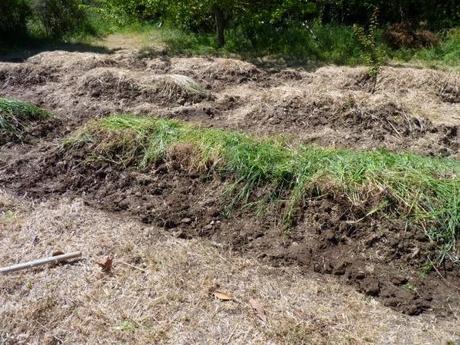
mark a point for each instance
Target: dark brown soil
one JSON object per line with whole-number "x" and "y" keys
{"x": 31, "y": 132}
{"x": 357, "y": 125}
{"x": 26, "y": 76}
{"x": 450, "y": 92}
{"x": 381, "y": 258}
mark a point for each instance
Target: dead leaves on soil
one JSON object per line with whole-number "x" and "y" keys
{"x": 255, "y": 304}
{"x": 219, "y": 294}
{"x": 223, "y": 296}
{"x": 258, "y": 309}
{"x": 106, "y": 265}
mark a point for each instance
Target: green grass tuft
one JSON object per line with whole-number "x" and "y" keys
{"x": 423, "y": 191}
{"x": 446, "y": 54}
{"x": 15, "y": 116}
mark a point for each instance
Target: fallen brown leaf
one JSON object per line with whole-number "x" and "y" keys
{"x": 258, "y": 309}
{"x": 222, "y": 295}
{"x": 106, "y": 265}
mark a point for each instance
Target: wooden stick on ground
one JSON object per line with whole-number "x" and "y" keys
{"x": 39, "y": 262}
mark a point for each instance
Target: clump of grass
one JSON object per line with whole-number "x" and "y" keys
{"x": 173, "y": 85}
{"x": 16, "y": 116}
{"x": 422, "y": 190}
{"x": 187, "y": 83}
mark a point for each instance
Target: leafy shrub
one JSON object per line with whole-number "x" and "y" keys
{"x": 372, "y": 54}
{"x": 127, "y": 12}
{"x": 14, "y": 14}
{"x": 59, "y": 17}
{"x": 406, "y": 35}
{"x": 447, "y": 52}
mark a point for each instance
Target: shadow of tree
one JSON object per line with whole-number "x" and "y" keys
{"x": 22, "y": 51}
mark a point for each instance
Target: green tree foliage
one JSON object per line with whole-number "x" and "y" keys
{"x": 124, "y": 11}
{"x": 437, "y": 13}
{"x": 59, "y": 17}
{"x": 260, "y": 20}
{"x": 257, "y": 25}
{"x": 373, "y": 56}
{"x": 13, "y": 16}
{"x": 251, "y": 17}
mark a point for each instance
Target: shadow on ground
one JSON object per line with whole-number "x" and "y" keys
{"x": 21, "y": 52}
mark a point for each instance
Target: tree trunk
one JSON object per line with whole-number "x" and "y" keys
{"x": 220, "y": 26}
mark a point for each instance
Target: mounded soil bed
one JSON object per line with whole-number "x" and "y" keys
{"x": 411, "y": 110}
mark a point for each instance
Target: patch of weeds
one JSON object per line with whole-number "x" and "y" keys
{"x": 445, "y": 54}
{"x": 315, "y": 331}
{"x": 9, "y": 215}
{"x": 9, "y": 218}
{"x": 453, "y": 342}
{"x": 16, "y": 116}
{"x": 410, "y": 287}
{"x": 315, "y": 44}
{"x": 43, "y": 310}
{"x": 127, "y": 326}
{"x": 427, "y": 268}
{"x": 300, "y": 334}
{"x": 373, "y": 54}
{"x": 424, "y": 191}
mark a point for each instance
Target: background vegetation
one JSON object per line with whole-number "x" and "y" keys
{"x": 304, "y": 30}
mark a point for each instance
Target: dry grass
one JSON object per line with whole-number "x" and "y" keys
{"x": 172, "y": 86}
{"x": 133, "y": 87}
{"x": 422, "y": 92}
{"x": 159, "y": 292}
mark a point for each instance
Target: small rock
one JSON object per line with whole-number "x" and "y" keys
{"x": 331, "y": 236}
{"x": 186, "y": 220}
